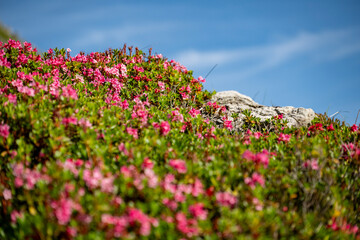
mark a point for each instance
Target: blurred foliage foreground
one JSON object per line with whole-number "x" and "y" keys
{"x": 115, "y": 145}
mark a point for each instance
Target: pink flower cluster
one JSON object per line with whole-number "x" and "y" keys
{"x": 139, "y": 69}
{"x": 164, "y": 127}
{"x": 330, "y": 128}
{"x": 74, "y": 121}
{"x": 226, "y": 199}
{"x": 279, "y": 117}
{"x": 201, "y": 79}
{"x": 344, "y": 227}
{"x": 94, "y": 179}
{"x": 69, "y": 92}
{"x": 176, "y": 116}
{"x": 4, "y": 130}
{"x": 255, "y": 178}
{"x": 71, "y": 165}
{"x": 284, "y": 138}
{"x": 198, "y": 211}
{"x": 29, "y": 176}
{"x": 138, "y": 178}
{"x": 261, "y": 158}
{"x": 7, "y": 194}
{"x": 140, "y": 112}
{"x": 312, "y": 164}
{"x": 215, "y": 106}
{"x": 316, "y": 127}
{"x": 227, "y": 123}
{"x": 63, "y": 209}
{"x": 179, "y": 190}
{"x": 353, "y": 128}
{"x": 179, "y": 165}
{"x": 133, "y": 132}
{"x": 132, "y": 218}
{"x": 147, "y": 163}
{"x": 189, "y": 227}
{"x": 350, "y": 150}
{"x": 16, "y": 215}
{"x": 194, "y": 112}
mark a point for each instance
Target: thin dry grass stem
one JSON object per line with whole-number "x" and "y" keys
{"x": 357, "y": 116}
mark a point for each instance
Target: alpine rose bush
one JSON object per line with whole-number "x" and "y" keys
{"x": 122, "y": 145}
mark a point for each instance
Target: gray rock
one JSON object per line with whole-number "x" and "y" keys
{"x": 236, "y": 103}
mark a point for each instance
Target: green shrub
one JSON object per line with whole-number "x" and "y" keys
{"x": 116, "y": 145}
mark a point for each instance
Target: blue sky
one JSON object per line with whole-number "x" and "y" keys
{"x": 283, "y": 53}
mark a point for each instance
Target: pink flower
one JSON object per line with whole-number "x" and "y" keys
{"x": 125, "y": 171}
{"x": 69, "y": 92}
{"x": 258, "y": 204}
{"x": 123, "y": 70}
{"x": 257, "y": 135}
{"x": 71, "y": 231}
{"x": 123, "y": 149}
{"x": 15, "y": 215}
{"x": 84, "y": 123}
{"x": 280, "y": 116}
{"x": 248, "y": 155}
{"x": 179, "y": 196}
{"x": 4, "y": 130}
{"x": 112, "y": 71}
{"x": 330, "y": 128}
{"x": 313, "y": 164}
{"x": 199, "y": 135}
{"x": 70, "y": 165}
{"x": 28, "y": 91}
{"x": 284, "y": 137}
{"x": 121, "y": 224}
{"x": 259, "y": 158}
{"x": 69, "y": 120}
{"x": 7, "y": 194}
{"x": 62, "y": 210}
{"x": 259, "y": 179}
{"x": 151, "y": 177}
{"x": 162, "y": 86}
{"x": 179, "y": 165}
{"x": 139, "y": 69}
{"x": 354, "y": 128}
{"x": 137, "y": 216}
{"x": 164, "y": 128}
{"x": 228, "y": 124}
{"x": 201, "y": 79}
{"x": 255, "y": 178}
{"x": 197, "y": 188}
{"x": 168, "y": 184}
{"x": 68, "y": 50}
{"x": 226, "y": 199}
{"x": 177, "y": 116}
{"x": 316, "y": 127}
{"x": 147, "y": 163}
{"x": 19, "y": 182}
{"x": 189, "y": 227}
{"x": 184, "y": 96}
{"x": 171, "y": 204}
{"x": 194, "y": 112}
{"x": 198, "y": 211}
{"x": 107, "y": 184}
{"x": 132, "y": 131}
{"x": 12, "y": 98}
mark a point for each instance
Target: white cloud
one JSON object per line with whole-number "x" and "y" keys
{"x": 322, "y": 46}
{"x": 97, "y": 37}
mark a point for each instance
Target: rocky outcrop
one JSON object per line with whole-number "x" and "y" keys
{"x": 237, "y": 103}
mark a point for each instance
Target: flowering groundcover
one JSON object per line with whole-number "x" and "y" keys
{"x": 117, "y": 145}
